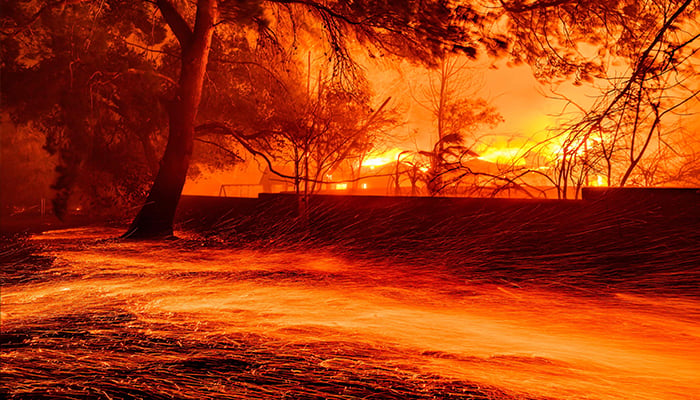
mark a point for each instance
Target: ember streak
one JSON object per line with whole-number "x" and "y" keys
{"x": 113, "y": 319}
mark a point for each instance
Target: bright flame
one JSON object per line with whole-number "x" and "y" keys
{"x": 600, "y": 181}
{"x": 379, "y": 159}
{"x": 505, "y": 155}
{"x": 341, "y": 186}
{"x": 577, "y": 147}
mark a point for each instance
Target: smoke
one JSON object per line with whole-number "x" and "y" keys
{"x": 67, "y": 173}
{"x": 26, "y": 169}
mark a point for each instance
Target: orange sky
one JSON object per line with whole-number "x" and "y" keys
{"x": 512, "y": 90}
{"x": 523, "y": 102}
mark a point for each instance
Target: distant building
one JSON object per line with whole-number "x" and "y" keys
{"x": 477, "y": 178}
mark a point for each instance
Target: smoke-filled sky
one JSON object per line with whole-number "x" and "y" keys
{"x": 518, "y": 97}
{"x": 512, "y": 90}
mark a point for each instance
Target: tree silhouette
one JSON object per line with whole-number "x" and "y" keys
{"x": 458, "y": 114}
{"x": 642, "y": 55}
{"x": 94, "y": 98}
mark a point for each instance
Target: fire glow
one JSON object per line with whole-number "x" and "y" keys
{"x": 534, "y": 343}
{"x": 341, "y": 199}
{"x": 506, "y": 155}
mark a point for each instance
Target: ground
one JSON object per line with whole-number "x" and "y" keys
{"x": 85, "y": 315}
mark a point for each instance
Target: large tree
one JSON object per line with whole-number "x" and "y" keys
{"x": 420, "y": 30}
{"x": 156, "y": 216}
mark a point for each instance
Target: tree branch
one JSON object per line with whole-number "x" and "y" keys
{"x": 221, "y": 128}
{"x": 538, "y": 5}
{"x": 320, "y": 8}
{"x": 233, "y": 154}
{"x": 33, "y": 19}
{"x": 176, "y": 22}
{"x": 207, "y": 13}
{"x": 151, "y": 50}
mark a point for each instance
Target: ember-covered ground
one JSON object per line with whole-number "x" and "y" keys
{"x": 85, "y": 315}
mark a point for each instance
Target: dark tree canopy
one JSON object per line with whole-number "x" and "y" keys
{"x": 95, "y": 98}
{"x": 113, "y": 85}
{"x": 108, "y": 70}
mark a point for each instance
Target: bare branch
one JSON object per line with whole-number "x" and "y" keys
{"x": 228, "y": 151}
{"x": 537, "y": 5}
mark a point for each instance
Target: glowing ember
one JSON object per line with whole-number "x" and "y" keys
{"x": 184, "y": 318}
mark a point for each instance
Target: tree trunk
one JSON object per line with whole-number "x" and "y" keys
{"x": 155, "y": 220}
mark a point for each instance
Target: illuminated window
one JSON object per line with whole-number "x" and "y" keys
{"x": 364, "y": 186}
{"x": 341, "y": 186}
